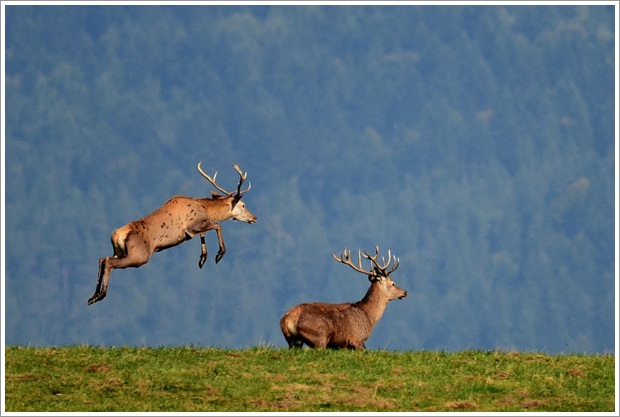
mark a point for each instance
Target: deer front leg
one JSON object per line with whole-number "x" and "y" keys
{"x": 220, "y": 240}
{"x": 203, "y": 251}
{"x": 203, "y": 228}
{"x": 356, "y": 345}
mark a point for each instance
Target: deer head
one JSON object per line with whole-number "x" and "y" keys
{"x": 239, "y": 210}
{"x": 378, "y": 272}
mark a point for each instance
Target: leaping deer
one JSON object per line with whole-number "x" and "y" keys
{"x": 178, "y": 220}
{"x": 346, "y": 325}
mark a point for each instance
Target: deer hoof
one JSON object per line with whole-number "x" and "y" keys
{"x": 95, "y": 298}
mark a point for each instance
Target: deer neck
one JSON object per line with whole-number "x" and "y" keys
{"x": 219, "y": 209}
{"x": 373, "y": 303}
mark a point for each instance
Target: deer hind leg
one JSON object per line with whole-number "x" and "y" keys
{"x": 315, "y": 340}
{"x": 288, "y": 326}
{"x": 136, "y": 255}
{"x": 98, "y": 287}
{"x": 98, "y": 295}
{"x": 294, "y": 343}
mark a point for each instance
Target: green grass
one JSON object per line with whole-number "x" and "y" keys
{"x": 190, "y": 379}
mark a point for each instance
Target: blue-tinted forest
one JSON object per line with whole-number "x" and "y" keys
{"x": 476, "y": 143}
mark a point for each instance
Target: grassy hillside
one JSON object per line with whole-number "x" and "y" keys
{"x": 86, "y": 379}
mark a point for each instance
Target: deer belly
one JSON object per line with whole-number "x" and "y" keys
{"x": 170, "y": 236}
{"x": 339, "y": 339}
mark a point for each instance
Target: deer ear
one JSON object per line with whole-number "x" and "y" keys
{"x": 377, "y": 276}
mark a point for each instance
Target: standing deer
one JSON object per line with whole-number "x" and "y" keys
{"x": 178, "y": 220}
{"x": 346, "y": 325}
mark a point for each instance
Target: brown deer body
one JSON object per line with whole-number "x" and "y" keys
{"x": 345, "y": 325}
{"x": 177, "y": 220}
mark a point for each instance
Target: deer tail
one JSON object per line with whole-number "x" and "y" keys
{"x": 289, "y": 321}
{"x": 119, "y": 239}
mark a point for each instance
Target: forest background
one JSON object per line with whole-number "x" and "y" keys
{"x": 477, "y": 143}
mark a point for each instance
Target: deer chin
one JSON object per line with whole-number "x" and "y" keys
{"x": 245, "y": 221}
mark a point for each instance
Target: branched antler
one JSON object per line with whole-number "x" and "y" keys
{"x": 345, "y": 258}
{"x": 382, "y": 268}
{"x": 242, "y": 178}
{"x": 377, "y": 270}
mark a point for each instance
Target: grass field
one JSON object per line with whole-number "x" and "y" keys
{"x": 192, "y": 379}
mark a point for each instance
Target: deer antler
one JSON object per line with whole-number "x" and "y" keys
{"x": 378, "y": 271}
{"x": 345, "y": 258}
{"x": 212, "y": 180}
{"x": 242, "y": 178}
{"x": 382, "y": 268}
